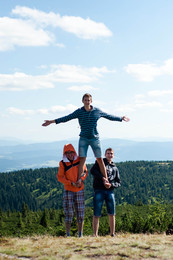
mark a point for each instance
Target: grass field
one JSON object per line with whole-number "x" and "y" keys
{"x": 123, "y": 246}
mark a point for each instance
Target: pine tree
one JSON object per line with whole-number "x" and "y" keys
{"x": 1, "y": 222}
{"x": 20, "y": 222}
{"x": 25, "y": 210}
{"x": 44, "y": 219}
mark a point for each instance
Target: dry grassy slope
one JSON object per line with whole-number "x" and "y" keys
{"x": 123, "y": 246}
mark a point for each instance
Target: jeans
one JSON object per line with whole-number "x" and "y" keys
{"x": 95, "y": 145}
{"x": 99, "y": 197}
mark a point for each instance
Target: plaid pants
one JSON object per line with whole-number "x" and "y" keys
{"x": 71, "y": 198}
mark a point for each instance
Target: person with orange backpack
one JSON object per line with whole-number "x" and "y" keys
{"x": 73, "y": 188}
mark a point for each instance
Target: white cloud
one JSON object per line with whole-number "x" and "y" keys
{"x": 17, "y": 111}
{"x": 143, "y": 72}
{"x": 170, "y": 103}
{"x": 68, "y": 108}
{"x": 82, "y": 28}
{"x": 72, "y": 73}
{"x": 148, "y": 72}
{"x": 15, "y": 32}
{"x": 21, "y": 81}
{"x": 59, "y": 73}
{"x": 138, "y": 104}
{"x": 167, "y": 110}
{"x": 139, "y": 98}
{"x": 44, "y": 111}
{"x": 51, "y": 163}
{"x": 125, "y": 109}
{"x": 167, "y": 68}
{"x": 148, "y": 104}
{"x": 158, "y": 93}
{"x": 83, "y": 88}
{"x": 32, "y": 28}
{"x": 60, "y": 45}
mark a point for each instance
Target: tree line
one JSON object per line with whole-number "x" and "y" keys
{"x": 151, "y": 218}
{"x": 142, "y": 183}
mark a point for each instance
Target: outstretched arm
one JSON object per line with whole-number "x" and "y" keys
{"x": 62, "y": 119}
{"x": 48, "y": 122}
{"x": 114, "y": 118}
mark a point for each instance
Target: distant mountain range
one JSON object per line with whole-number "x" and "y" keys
{"x": 15, "y": 156}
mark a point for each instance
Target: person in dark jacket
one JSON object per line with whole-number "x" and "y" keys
{"x": 104, "y": 190}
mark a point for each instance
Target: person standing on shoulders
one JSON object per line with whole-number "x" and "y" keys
{"x": 89, "y": 136}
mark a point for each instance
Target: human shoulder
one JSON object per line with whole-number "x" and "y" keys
{"x": 105, "y": 161}
{"x": 97, "y": 109}
{"x": 100, "y": 111}
{"x": 95, "y": 165}
{"x": 114, "y": 167}
{"x": 77, "y": 112}
{"x": 61, "y": 163}
{"x": 112, "y": 164}
{"x": 78, "y": 109}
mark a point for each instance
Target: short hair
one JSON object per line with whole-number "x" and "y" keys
{"x": 109, "y": 149}
{"x": 86, "y": 95}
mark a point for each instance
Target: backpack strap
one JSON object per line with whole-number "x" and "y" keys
{"x": 66, "y": 168}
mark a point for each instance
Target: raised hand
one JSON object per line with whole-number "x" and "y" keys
{"x": 125, "y": 118}
{"x": 47, "y": 122}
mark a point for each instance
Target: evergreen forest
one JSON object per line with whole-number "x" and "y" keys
{"x": 31, "y": 200}
{"x": 141, "y": 182}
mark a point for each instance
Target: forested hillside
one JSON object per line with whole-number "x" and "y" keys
{"x": 142, "y": 181}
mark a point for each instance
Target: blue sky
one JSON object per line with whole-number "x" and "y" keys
{"x": 52, "y": 52}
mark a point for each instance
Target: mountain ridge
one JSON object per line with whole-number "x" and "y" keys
{"x": 48, "y": 154}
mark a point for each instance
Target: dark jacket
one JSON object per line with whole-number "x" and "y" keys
{"x": 112, "y": 172}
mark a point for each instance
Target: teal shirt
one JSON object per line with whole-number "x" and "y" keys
{"x": 88, "y": 120}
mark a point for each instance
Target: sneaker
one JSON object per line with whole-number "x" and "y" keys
{"x": 80, "y": 234}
